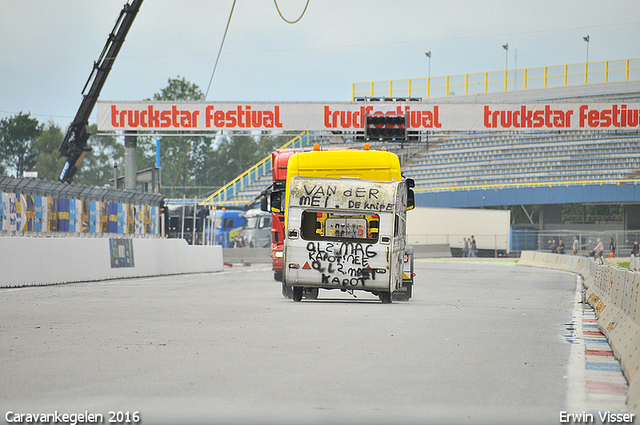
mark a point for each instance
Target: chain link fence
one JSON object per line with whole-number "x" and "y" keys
{"x": 523, "y": 239}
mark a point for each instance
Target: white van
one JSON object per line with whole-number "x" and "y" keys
{"x": 346, "y": 234}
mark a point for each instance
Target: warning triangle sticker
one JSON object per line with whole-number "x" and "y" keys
{"x": 306, "y": 265}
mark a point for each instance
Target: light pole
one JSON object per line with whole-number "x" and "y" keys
{"x": 428, "y": 55}
{"x": 587, "y": 38}
{"x": 506, "y": 63}
{"x": 586, "y": 64}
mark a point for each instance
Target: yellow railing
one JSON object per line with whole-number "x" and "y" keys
{"x": 261, "y": 168}
{"x": 484, "y": 82}
{"x": 531, "y": 184}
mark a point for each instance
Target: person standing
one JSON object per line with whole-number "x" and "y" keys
{"x": 575, "y": 245}
{"x": 612, "y": 249}
{"x": 636, "y": 248}
{"x": 465, "y": 248}
{"x": 598, "y": 250}
{"x": 560, "y": 249}
{"x": 473, "y": 248}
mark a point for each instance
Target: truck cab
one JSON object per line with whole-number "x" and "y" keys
{"x": 227, "y": 223}
{"x": 256, "y": 231}
{"x": 279, "y": 161}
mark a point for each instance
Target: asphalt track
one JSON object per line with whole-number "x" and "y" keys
{"x": 478, "y": 343}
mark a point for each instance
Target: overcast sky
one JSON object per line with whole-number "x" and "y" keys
{"x": 47, "y": 47}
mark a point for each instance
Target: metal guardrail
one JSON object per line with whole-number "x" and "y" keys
{"x": 31, "y": 206}
{"x": 223, "y": 195}
{"x": 30, "y": 186}
{"x": 492, "y": 81}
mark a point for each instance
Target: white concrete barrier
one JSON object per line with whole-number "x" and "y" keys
{"x": 634, "y": 263}
{"x": 26, "y": 261}
{"x": 527, "y": 258}
{"x": 614, "y": 293}
{"x": 247, "y": 255}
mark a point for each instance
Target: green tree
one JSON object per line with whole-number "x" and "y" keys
{"x": 183, "y": 158}
{"x": 195, "y": 160}
{"x": 17, "y": 139}
{"x": 179, "y": 89}
{"x": 233, "y": 156}
{"x": 96, "y": 169}
{"x": 268, "y": 142}
{"x": 49, "y": 164}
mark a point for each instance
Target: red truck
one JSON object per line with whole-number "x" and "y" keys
{"x": 279, "y": 161}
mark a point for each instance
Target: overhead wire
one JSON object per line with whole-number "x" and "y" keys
{"x": 287, "y": 21}
{"x": 215, "y": 66}
{"x": 220, "y": 51}
{"x": 437, "y": 39}
{"x": 327, "y": 47}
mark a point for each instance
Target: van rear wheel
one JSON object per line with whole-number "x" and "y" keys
{"x": 287, "y": 291}
{"x": 385, "y": 297}
{"x": 297, "y": 293}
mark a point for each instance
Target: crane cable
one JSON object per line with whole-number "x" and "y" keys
{"x": 220, "y": 51}
{"x": 291, "y": 22}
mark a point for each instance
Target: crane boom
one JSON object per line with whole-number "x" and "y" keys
{"x": 74, "y": 144}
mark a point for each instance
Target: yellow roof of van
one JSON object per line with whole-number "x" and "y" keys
{"x": 362, "y": 164}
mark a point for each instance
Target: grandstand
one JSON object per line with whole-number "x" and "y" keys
{"x": 520, "y": 158}
{"x": 514, "y": 158}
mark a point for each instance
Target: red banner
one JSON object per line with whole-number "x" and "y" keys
{"x": 349, "y": 116}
